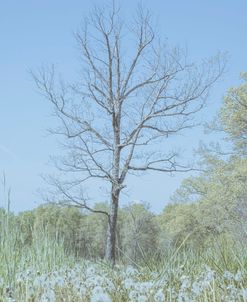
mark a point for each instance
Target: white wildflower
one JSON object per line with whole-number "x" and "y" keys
{"x": 98, "y": 295}
{"x": 244, "y": 293}
{"x": 142, "y": 298}
{"x": 197, "y": 288}
{"x": 82, "y": 291}
{"x": 228, "y": 275}
{"x": 185, "y": 282}
{"x": 131, "y": 271}
{"x": 128, "y": 283}
{"x": 90, "y": 271}
{"x": 109, "y": 285}
{"x": 159, "y": 296}
{"x": 145, "y": 286}
{"x": 48, "y": 296}
{"x": 133, "y": 295}
{"x": 239, "y": 276}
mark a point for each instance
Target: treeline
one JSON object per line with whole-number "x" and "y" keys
{"x": 83, "y": 234}
{"x": 206, "y": 210}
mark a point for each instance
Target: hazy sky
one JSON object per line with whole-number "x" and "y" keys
{"x": 33, "y": 33}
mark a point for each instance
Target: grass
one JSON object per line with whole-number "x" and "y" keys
{"x": 43, "y": 271}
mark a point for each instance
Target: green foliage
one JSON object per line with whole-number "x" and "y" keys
{"x": 216, "y": 205}
{"x": 94, "y": 229}
{"x": 179, "y": 221}
{"x": 139, "y": 233}
{"x": 84, "y": 234}
{"x": 42, "y": 271}
{"x": 233, "y": 115}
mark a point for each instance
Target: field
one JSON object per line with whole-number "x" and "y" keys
{"x": 44, "y": 272}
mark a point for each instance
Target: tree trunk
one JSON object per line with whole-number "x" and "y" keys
{"x": 110, "y": 252}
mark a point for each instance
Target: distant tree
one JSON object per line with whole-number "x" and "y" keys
{"x": 219, "y": 193}
{"x": 216, "y": 201}
{"x": 25, "y": 222}
{"x": 63, "y": 224}
{"x": 134, "y": 93}
{"x": 233, "y": 115}
{"x": 139, "y": 234}
{"x": 94, "y": 231}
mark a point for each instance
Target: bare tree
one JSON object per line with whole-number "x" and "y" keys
{"x": 134, "y": 93}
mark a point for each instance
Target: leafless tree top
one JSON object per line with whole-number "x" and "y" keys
{"x": 133, "y": 93}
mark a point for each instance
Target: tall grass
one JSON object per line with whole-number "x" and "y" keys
{"x": 218, "y": 273}
{"x": 46, "y": 255}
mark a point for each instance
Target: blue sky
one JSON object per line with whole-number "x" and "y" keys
{"x": 33, "y": 33}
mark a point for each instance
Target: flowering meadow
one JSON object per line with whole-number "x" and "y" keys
{"x": 96, "y": 282}
{"x": 37, "y": 266}
{"x": 44, "y": 272}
